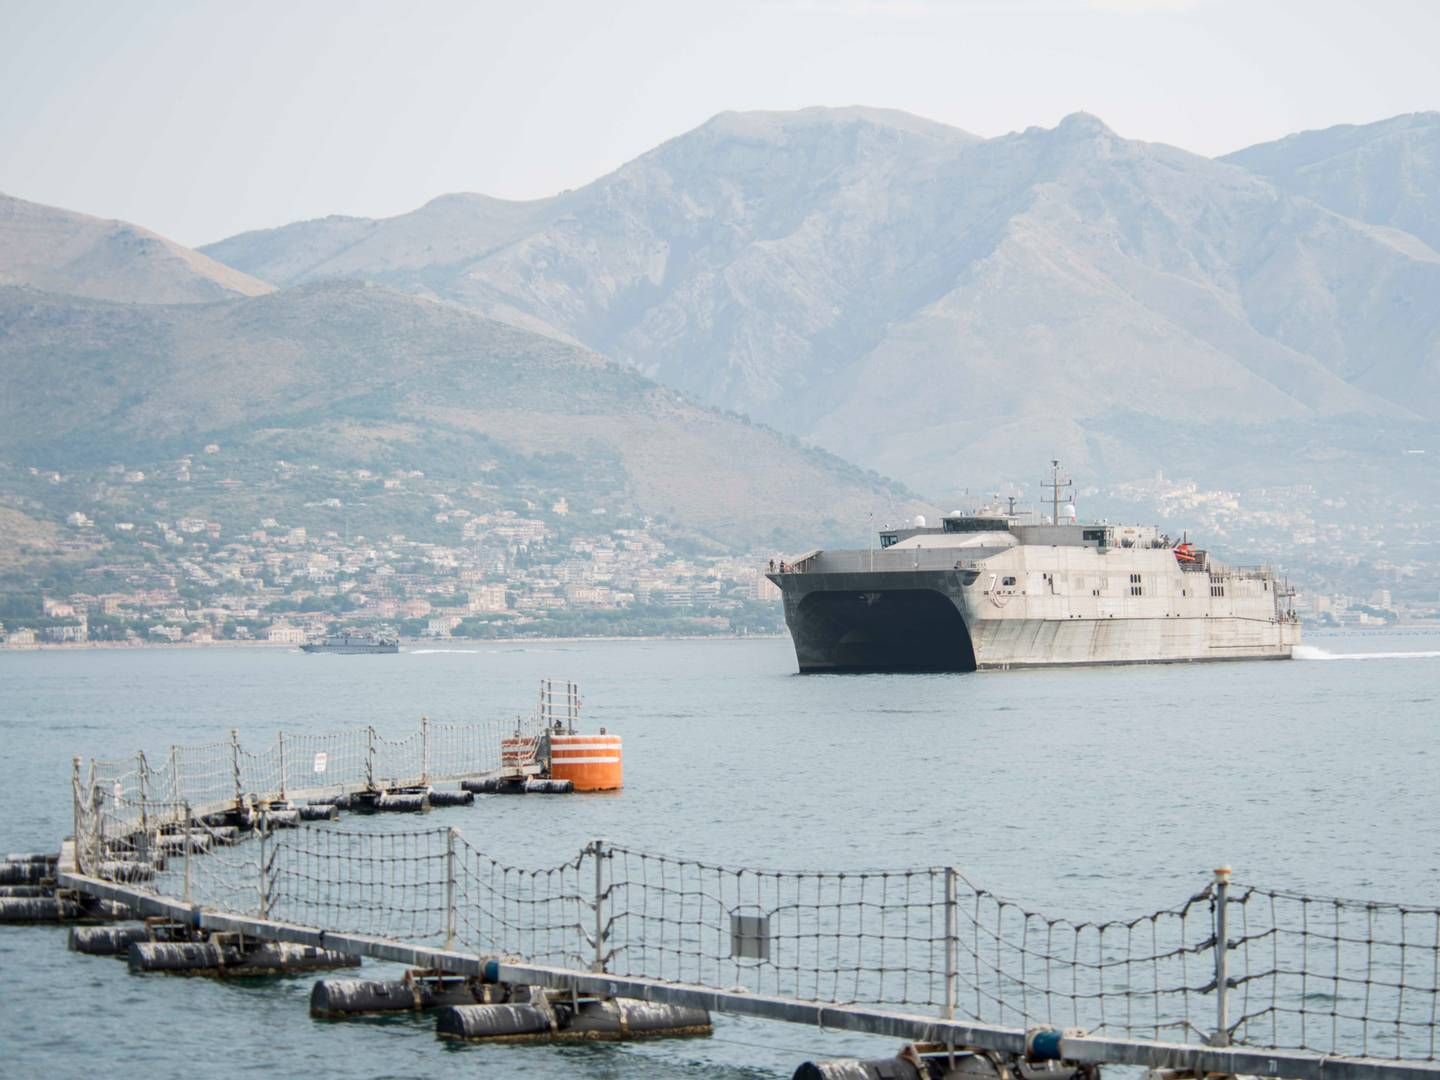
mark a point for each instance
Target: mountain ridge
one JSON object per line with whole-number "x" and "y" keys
{"x": 361, "y": 375}
{"x": 858, "y": 278}
{"x": 66, "y": 252}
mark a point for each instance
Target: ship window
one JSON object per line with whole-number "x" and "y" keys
{"x": 1137, "y": 590}
{"x": 1096, "y": 536}
{"x": 1009, "y": 581}
{"x": 1134, "y": 579}
{"x": 886, "y": 539}
{"x": 1217, "y": 590}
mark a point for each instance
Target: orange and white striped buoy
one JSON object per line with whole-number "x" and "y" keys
{"x": 590, "y": 762}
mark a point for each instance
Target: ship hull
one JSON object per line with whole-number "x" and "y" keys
{"x": 349, "y": 649}
{"x": 924, "y": 621}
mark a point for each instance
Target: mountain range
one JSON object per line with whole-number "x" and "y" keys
{"x": 940, "y": 306}
{"x": 948, "y": 310}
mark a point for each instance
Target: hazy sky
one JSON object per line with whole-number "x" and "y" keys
{"x": 203, "y": 119}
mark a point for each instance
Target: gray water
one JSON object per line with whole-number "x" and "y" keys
{"x": 1087, "y": 794}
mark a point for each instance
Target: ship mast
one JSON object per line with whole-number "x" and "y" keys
{"x": 1055, "y": 484}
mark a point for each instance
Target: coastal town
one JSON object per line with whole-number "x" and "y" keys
{"x": 466, "y": 566}
{"x": 198, "y": 550}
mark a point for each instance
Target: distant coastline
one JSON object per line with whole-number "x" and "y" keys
{"x": 406, "y": 644}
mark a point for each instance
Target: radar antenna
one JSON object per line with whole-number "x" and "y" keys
{"x": 1056, "y": 483}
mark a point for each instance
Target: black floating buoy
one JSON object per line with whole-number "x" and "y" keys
{"x": 319, "y": 813}
{"x": 213, "y": 958}
{"x": 179, "y": 956}
{"x": 538, "y": 786}
{"x": 403, "y": 803}
{"x": 125, "y": 871}
{"x": 852, "y": 1069}
{"x": 610, "y": 1019}
{"x": 630, "y": 1018}
{"x": 487, "y": 785}
{"x": 31, "y": 909}
{"x": 501, "y": 1022}
{"x": 175, "y": 843}
{"x": 25, "y": 873}
{"x": 33, "y": 857}
{"x": 282, "y": 819}
{"x": 106, "y": 940}
{"x": 452, "y": 798}
{"x": 334, "y": 998}
{"x": 24, "y": 890}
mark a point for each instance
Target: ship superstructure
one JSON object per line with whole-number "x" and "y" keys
{"x": 989, "y": 590}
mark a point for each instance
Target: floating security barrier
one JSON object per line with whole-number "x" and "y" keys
{"x": 333, "y": 999}
{"x": 126, "y": 871}
{"x": 328, "y": 812}
{"x": 33, "y": 857}
{"x": 590, "y": 762}
{"x": 228, "y": 959}
{"x": 34, "y": 909}
{"x": 107, "y": 940}
{"x": 609, "y": 1019}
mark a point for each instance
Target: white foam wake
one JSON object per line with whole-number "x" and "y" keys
{"x": 1310, "y": 652}
{"x": 433, "y": 652}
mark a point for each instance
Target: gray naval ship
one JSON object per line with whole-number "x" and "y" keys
{"x": 989, "y": 589}
{"x": 351, "y": 642}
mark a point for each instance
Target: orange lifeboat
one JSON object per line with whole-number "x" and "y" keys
{"x": 1185, "y": 552}
{"x": 590, "y": 762}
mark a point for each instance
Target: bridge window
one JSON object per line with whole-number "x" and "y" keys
{"x": 1008, "y": 582}
{"x": 1136, "y": 588}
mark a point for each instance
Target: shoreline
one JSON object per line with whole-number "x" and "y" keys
{"x": 407, "y": 644}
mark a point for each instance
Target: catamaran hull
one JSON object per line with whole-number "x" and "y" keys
{"x": 924, "y": 621}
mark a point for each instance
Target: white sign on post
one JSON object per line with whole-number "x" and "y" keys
{"x": 321, "y": 760}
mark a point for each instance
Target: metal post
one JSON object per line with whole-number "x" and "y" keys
{"x": 424, "y": 750}
{"x": 188, "y": 820}
{"x": 142, "y": 773}
{"x": 282, "y": 766}
{"x": 235, "y": 767}
{"x": 450, "y": 888}
{"x": 264, "y": 882}
{"x": 598, "y": 850}
{"x": 370, "y": 757}
{"x": 177, "y": 790}
{"x": 952, "y": 943}
{"x": 1222, "y": 958}
{"x": 79, "y": 834}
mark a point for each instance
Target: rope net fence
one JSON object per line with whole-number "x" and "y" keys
{"x": 1321, "y": 974}
{"x": 1233, "y": 962}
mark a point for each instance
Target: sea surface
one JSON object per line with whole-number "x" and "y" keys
{"x": 1089, "y": 794}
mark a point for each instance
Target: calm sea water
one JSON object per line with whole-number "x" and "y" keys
{"x": 1087, "y": 794}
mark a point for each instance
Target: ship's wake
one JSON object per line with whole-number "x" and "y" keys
{"x": 1310, "y": 652}
{"x": 442, "y": 652}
